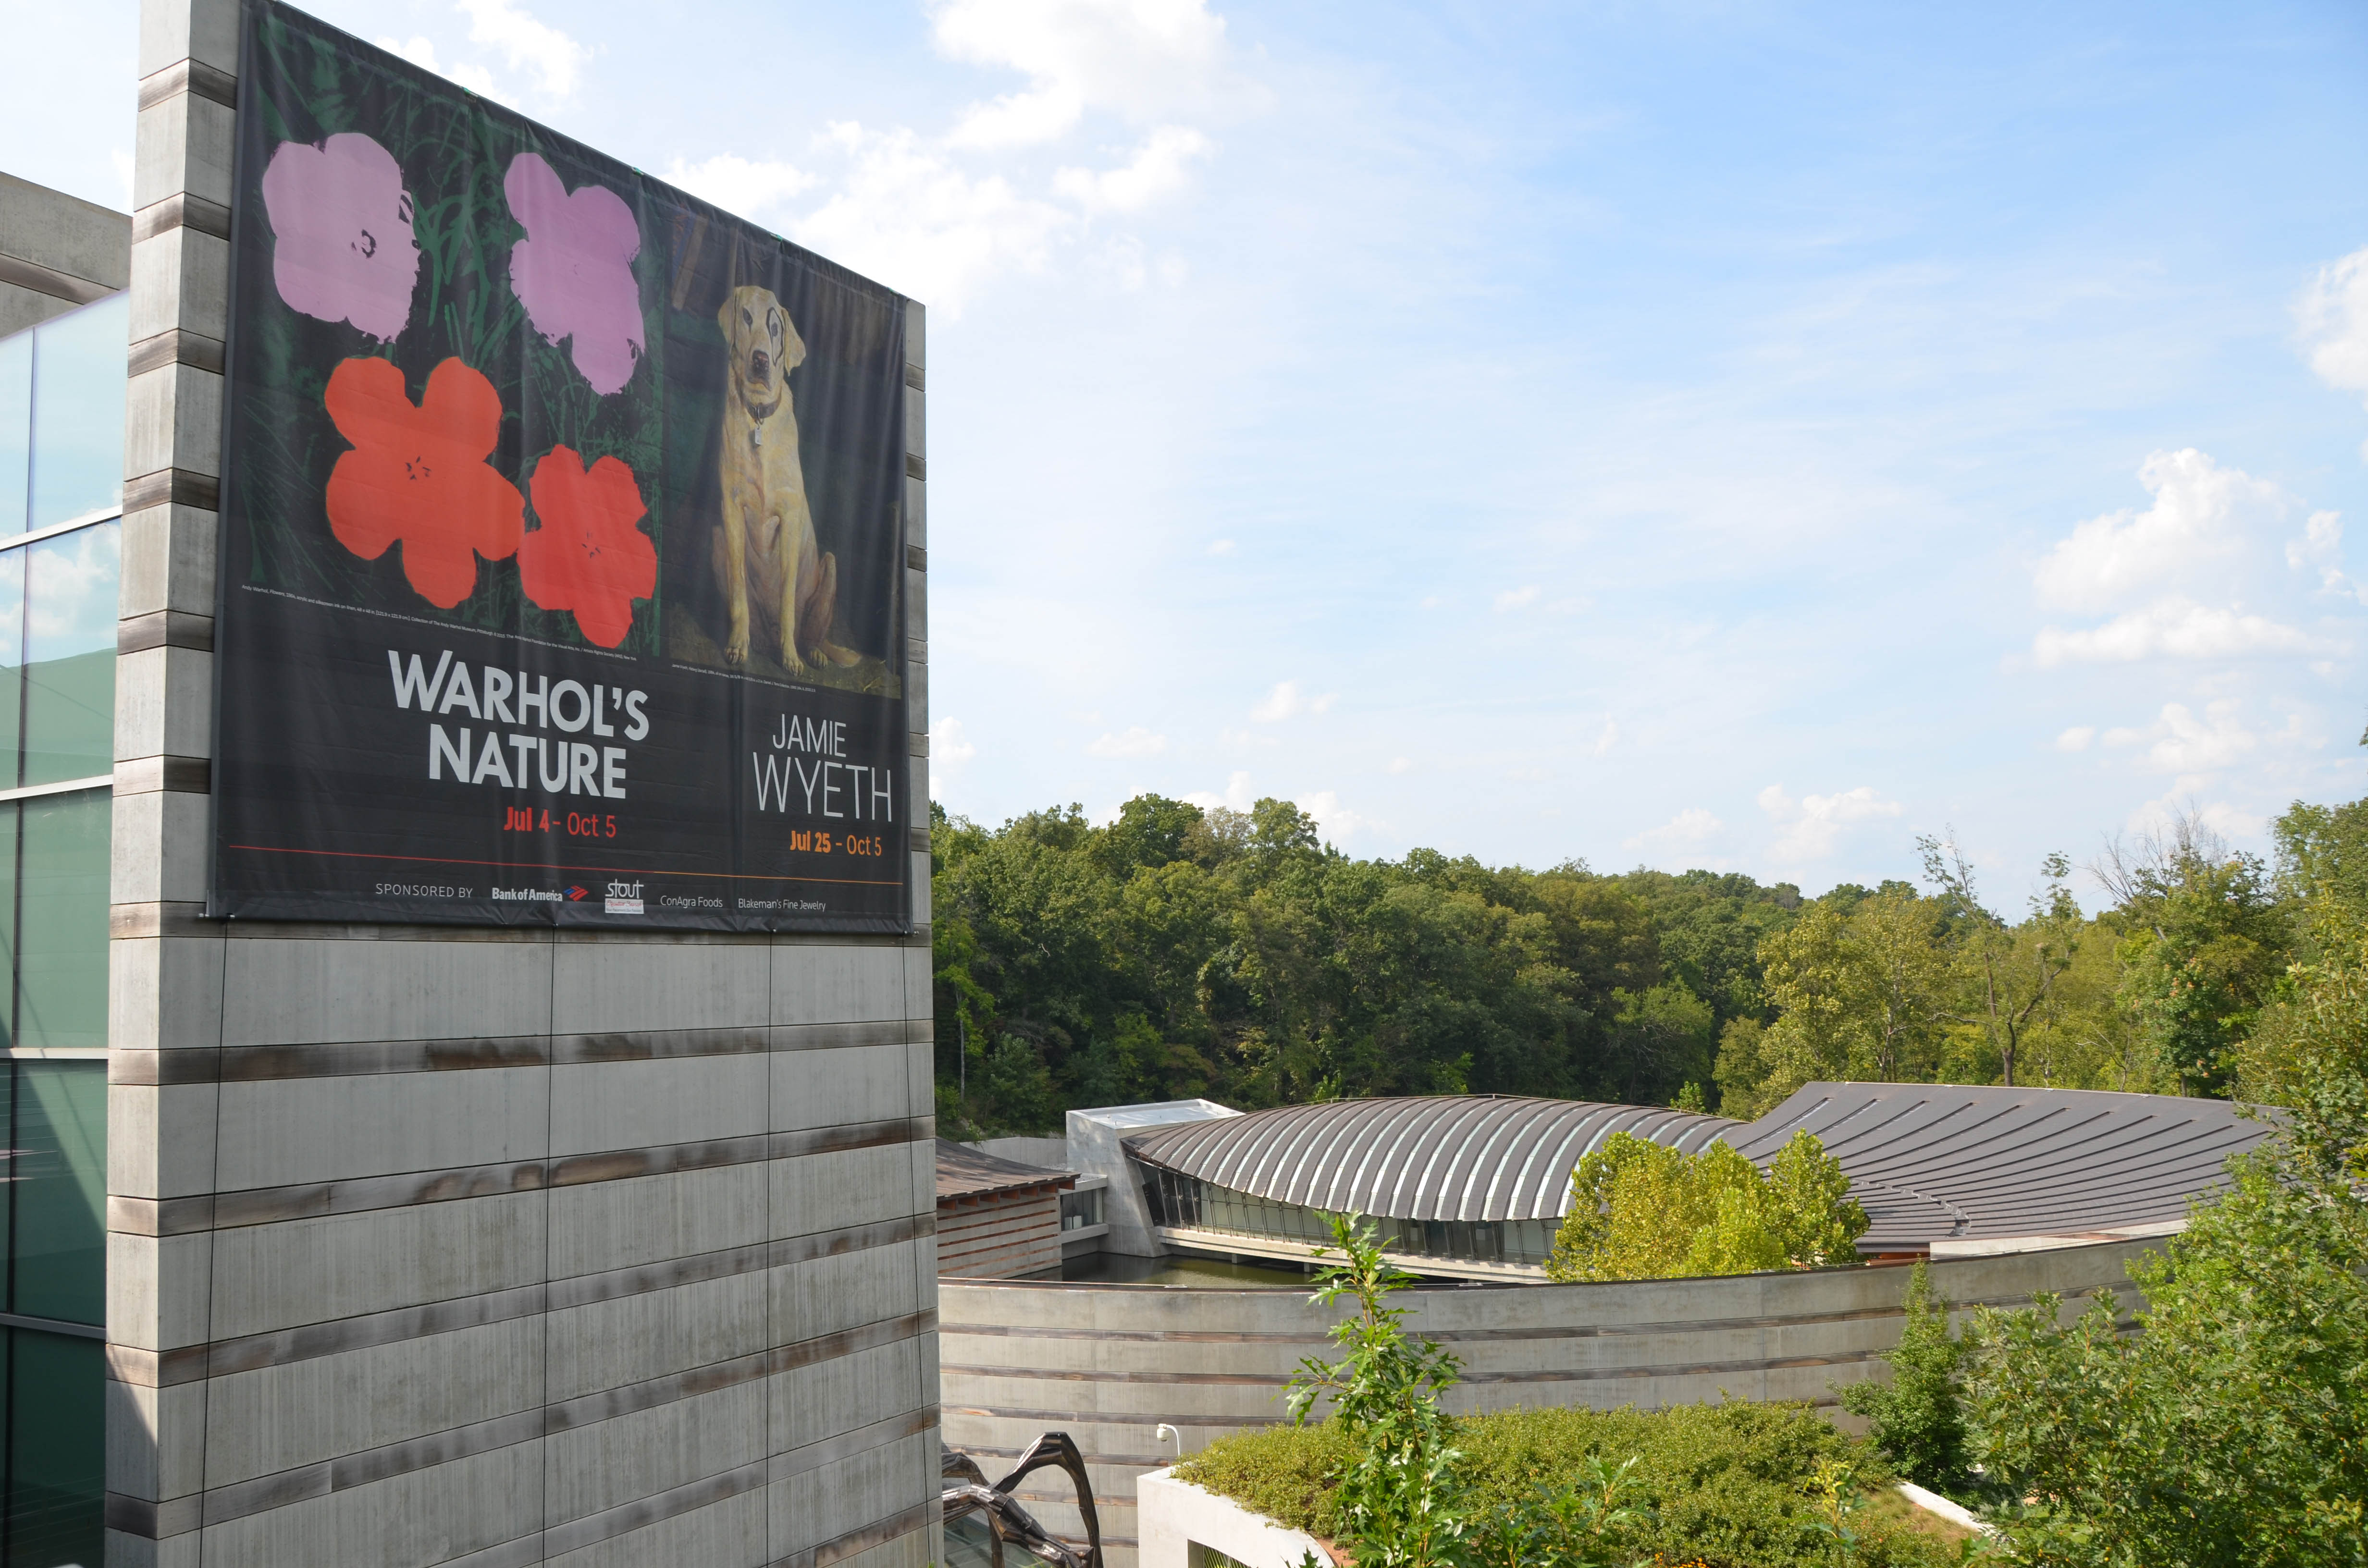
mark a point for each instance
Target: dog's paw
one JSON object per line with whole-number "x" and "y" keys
{"x": 790, "y": 662}
{"x": 735, "y": 652}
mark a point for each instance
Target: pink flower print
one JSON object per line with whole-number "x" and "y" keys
{"x": 342, "y": 222}
{"x": 573, "y": 270}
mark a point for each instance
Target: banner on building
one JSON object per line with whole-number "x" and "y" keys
{"x": 562, "y": 548}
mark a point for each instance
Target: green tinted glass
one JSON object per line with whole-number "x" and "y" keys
{"x": 57, "y": 1456}
{"x": 79, "y": 365}
{"x": 16, "y": 427}
{"x": 70, "y": 655}
{"x": 7, "y": 1115}
{"x": 12, "y": 660}
{"x": 61, "y": 948}
{"x": 60, "y": 1191}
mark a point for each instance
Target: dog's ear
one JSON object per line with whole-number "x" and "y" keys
{"x": 727, "y": 312}
{"x": 794, "y": 348}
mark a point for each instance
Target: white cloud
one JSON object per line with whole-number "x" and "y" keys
{"x": 1136, "y": 741}
{"x": 2321, "y": 543}
{"x": 1337, "y": 820}
{"x": 1607, "y": 737}
{"x": 744, "y": 186}
{"x": 2333, "y": 315}
{"x": 121, "y": 160}
{"x": 1690, "y": 827}
{"x": 1139, "y": 58}
{"x": 1288, "y": 701}
{"x": 2198, "y": 519}
{"x": 421, "y": 51}
{"x": 2185, "y": 744}
{"x": 1221, "y": 547}
{"x": 1517, "y": 598}
{"x": 1236, "y": 798}
{"x": 1812, "y": 823}
{"x": 2321, "y": 546}
{"x": 948, "y": 743}
{"x": 908, "y": 216}
{"x": 2076, "y": 738}
{"x": 1159, "y": 168}
{"x": 73, "y": 593}
{"x": 528, "y": 43}
{"x": 2174, "y": 628}
{"x": 1400, "y": 764}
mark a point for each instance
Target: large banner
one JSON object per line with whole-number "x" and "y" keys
{"x": 562, "y": 542}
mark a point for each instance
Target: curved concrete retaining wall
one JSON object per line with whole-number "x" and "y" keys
{"x": 1108, "y": 1363}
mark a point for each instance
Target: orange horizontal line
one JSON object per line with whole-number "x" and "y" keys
{"x": 514, "y": 865}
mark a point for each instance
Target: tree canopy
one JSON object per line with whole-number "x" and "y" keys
{"x": 1176, "y": 951}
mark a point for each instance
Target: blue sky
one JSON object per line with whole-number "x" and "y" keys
{"x": 1733, "y": 434}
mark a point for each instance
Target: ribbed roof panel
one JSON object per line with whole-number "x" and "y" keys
{"x": 1441, "y": 1157}
{"x": 1958, "y": 1161}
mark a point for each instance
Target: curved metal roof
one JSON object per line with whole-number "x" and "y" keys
{"x": 1440, "y": 1157}
{"x": 1931, "y": 1162}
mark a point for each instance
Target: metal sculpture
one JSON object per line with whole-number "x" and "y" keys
{"x": 1005, "y": 1519}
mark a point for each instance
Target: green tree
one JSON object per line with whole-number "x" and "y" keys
{"x": 2008, "y": 973}
{"x": 1642, "y": 1211}
{"x": 2235, "y": 1427}
{"x": 1861, "y": 986}
{"x": 2206, "y": 948}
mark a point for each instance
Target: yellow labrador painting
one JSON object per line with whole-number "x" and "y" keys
{"x": 777, "y": 583}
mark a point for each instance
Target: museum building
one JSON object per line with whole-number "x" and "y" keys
{"x": 401, "y": 1244}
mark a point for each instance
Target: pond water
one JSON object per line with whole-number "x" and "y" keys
{"x": 1204, "y": 1273}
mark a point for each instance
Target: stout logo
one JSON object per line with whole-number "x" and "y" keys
{"x": 624, "y": 898}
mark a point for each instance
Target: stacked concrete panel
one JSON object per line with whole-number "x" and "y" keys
{"x": 55, "y": 253}
{"x": 1109, "y": 1364}
{"x": 487, "y": 1247}
{"x": 1000, "y": 1238}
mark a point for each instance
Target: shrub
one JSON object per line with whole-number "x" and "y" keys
{"x": 1916, "y": 1419}
{"x": 1734, "y": 1485}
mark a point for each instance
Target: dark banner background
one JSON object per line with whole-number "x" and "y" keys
{"x": 760, "y": 797}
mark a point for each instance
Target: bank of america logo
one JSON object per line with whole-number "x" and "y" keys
{"x": 575, "y": 892}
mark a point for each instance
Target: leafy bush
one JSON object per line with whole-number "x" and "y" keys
{"x": 1916, "y": 1419}
{"x": 1640, "y": 1210}
{"x": 1734, "y": 1485}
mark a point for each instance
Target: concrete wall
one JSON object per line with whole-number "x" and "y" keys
{"x": 1182, "y": 1524}
{"x": 1108, "y": 1363}
{"x": 479, "y": 1247}
{"x": 56, "y": 252}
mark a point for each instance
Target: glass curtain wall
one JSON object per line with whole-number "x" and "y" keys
{"x": 1189, "y": 1203}
{"x": 62, "y": 388}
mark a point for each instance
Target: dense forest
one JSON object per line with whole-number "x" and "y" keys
{"x": 1178, "y": 951}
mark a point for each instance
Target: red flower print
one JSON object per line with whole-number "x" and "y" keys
{"x": 587, "y": 555}
{"x": 419, "y": 475}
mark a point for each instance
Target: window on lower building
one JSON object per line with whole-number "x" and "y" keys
{"x": 1081, "y": 1210}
